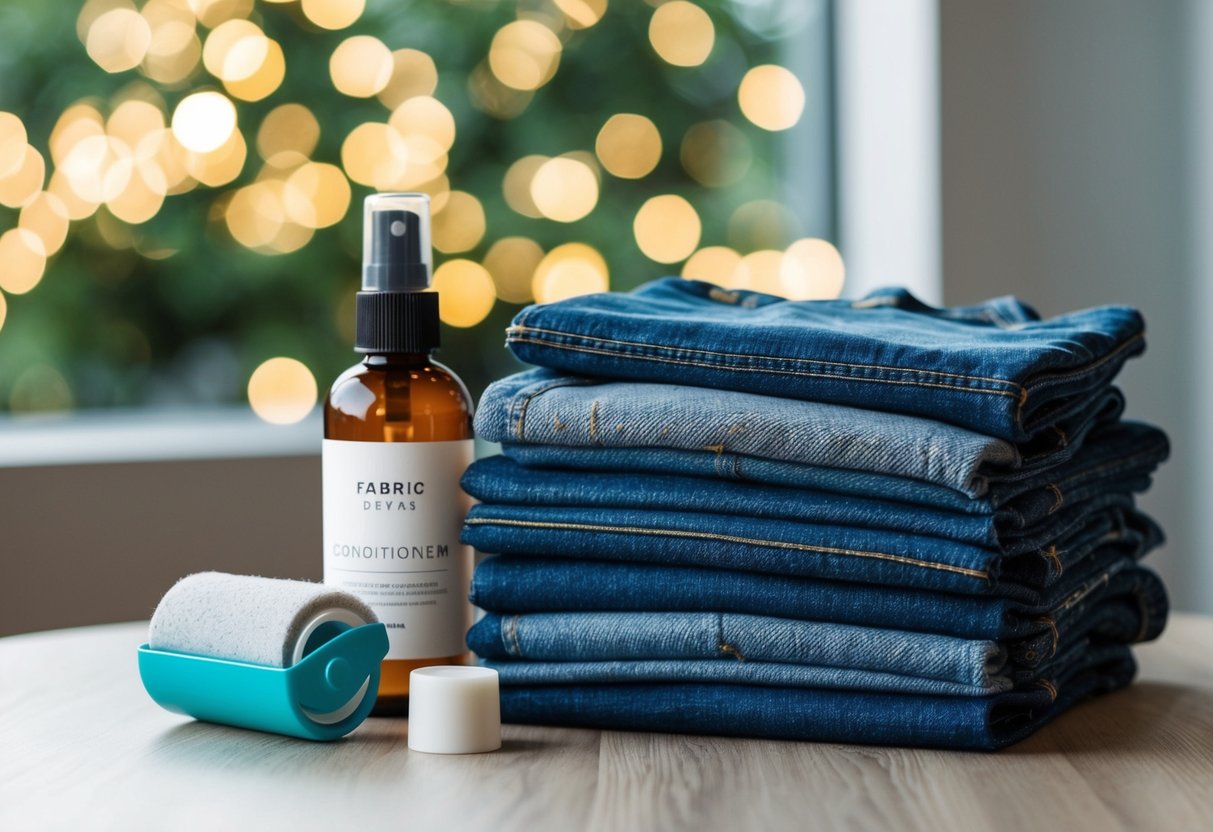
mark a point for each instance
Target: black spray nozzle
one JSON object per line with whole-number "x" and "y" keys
{"x": 396, "y": 255}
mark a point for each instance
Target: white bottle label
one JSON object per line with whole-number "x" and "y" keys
{"x": 392, "y": 514}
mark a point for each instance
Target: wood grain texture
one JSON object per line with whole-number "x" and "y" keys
{"x": 81, "y": 746}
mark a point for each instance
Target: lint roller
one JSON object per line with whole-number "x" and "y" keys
{"x": 290, "y": 657}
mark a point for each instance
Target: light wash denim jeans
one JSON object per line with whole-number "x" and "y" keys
{"x": 538, "y": 407}
{"x": 996, "y": 368}
{"x": 780, "y": 547}
{"x": 804, "y": 713}
{"x": 500, "y": 480}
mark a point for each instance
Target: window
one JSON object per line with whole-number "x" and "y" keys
{"x": 181, "y": 179}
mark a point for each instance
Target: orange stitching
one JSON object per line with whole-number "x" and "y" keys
{"x": 1051, "y": 555}
{"x": 520, "y": 328}
{"x": 1051, "y": 624}
{"x": 727, "y": 538}
{"x": 1058, "y": 496}
{"x": 834, "y": 376}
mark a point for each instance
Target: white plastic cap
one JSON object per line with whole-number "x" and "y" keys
{"x": 454, "y": 709}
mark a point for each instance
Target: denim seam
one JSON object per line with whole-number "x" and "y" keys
{"x": 513, "y": 331}
{"x": 1052, "y": 378}
{"x": 775, "y": 544}
{"x": 521, "y": 405}
{"x": 510, "y": 633}
{"x": 774, "y": 371}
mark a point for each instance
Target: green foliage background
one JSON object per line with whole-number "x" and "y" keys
{"x": 125, "y": 330}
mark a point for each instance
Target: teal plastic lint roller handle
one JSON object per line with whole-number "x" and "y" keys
{"x": 324, "y": 696}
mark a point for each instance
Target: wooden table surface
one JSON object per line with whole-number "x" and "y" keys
{"x": 82, "y": 747}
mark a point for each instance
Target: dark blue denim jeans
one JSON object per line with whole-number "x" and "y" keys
{"x": 800, "y": 713}
{"x": 996, "y": 368}
{"x": 571, "y": 647}
{"x": 500, "y": 480}
{"x": 780, "y": 547}
{"x": 538, "y": 407}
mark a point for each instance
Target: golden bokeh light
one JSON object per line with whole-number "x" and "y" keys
{"x": 374, "y": 154}
{"x": 46, "y": 216}
{"x": 459, "y": 226}
{"x": 465, "y": 292}
{"x": 317, "y": 195}
{"x": 234, "y": 50}
{"x": 564, "y": 189}
{"x": 682, "y": 33}
{"x": 413, "y": 74}
{"x": 569, "y": 270}
{"x": 715, "y": 264}
{"x": 582, "y": 14}
{"x": 171, "y": 158}
{"x": 118, "y": 39}
{"x": 428, "y": 118}
{"x": 24, "y": 183}
{"x": 142, "y": 196}
{"x": 771, "y": 97}
{"x": 77, "y": 122}
{"x": 76, "y": 207}
{"x": 221, "y": 165}
{"x": 493, "y": 97}
{"x": 204, "y": 122}
{"x": 289, "y": 128}
{"x": 265, "y": 80}
{"x": 24, "y": 260}
{"x": 133, "y": 120}
{"x": 812, "y": 269}
{"x": 715, "y": 153}
{"x": 512, "y": 262}
{"x": 760, "y": 271}
{"x": 762, "y": 223}
{"x": 524, "y": 54}
{"x": 516, "y": 185}
{"x": 13, "y": 140}
{"x": 333, "y": 14}
{"x": 361, "y": 66}
{"x": 282, "y": 391}
{"x": 667, "y": 228}
{"x": 3, "y": 310}
{"x": 174, "y": 53}
{"x": 628, "y": 145}
{"x": 212, "y": 13}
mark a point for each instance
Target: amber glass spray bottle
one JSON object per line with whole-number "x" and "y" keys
{"x": 397, "y": 438}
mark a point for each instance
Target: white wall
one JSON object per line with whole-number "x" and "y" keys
{"x": 1065, "y": 169}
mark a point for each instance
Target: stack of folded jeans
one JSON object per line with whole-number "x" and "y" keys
{"x": 874, "y": 521}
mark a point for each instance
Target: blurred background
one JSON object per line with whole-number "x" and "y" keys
{"x": 180, "y": 226}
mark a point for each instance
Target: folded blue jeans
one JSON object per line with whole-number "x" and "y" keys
{"x": 571, "y": 647}
{"x": 500, "y": 480}
{"x": 1030, "y": 631}
{"x": 1118, "y": 458}
{"x": 996, "y": 368}
{"x": 538, "y": 407}
{"x": 801, "y": 713}
{"x": 781, "y": 547}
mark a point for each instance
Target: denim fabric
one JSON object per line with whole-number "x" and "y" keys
{"x": 500, "y": 480}
{"x": 715, "y": 671}
{"x": 996, "y": 368}
{"x": 795, "y": 713}
{"x": 622, "y": 636}
{"x": 525, "y": 585}
{"x": 799, "y": 549}
{"x": 538, "y": 407}
{"x": 1117, "y": 458}
{"x": 774, "y": 674}
{"x": 564, "y": 637}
